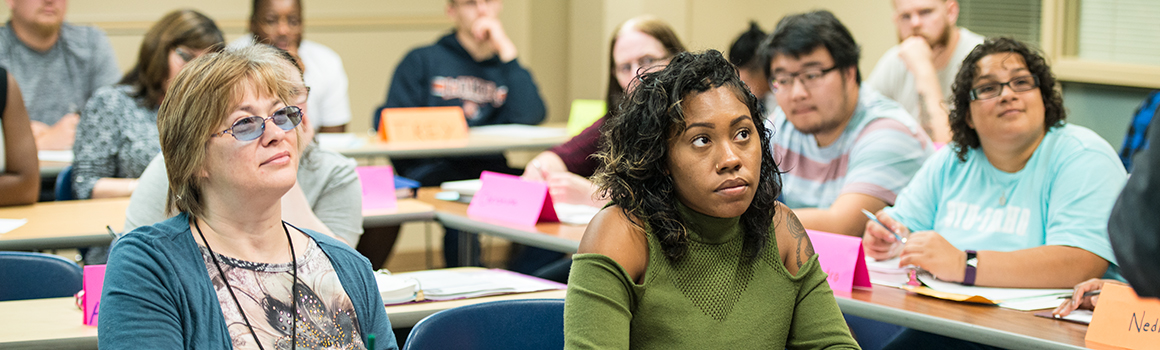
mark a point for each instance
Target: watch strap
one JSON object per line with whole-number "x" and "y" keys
{"x": 969, "y": 274}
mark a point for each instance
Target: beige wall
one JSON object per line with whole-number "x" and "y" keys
{"x": 563, "y": 42}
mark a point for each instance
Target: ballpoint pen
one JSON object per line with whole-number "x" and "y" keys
{"x": 897, "y": 236}
{"x": 1085, "y": 294}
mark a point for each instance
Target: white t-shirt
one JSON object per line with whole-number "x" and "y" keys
{"x": 891, "y": 78}
{"x": 329, "y": 103}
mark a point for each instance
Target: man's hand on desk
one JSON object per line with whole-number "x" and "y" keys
{"x": 59, "y": 136}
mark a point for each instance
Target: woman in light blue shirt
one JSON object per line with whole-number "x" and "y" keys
{"x": 1021, "y": 198}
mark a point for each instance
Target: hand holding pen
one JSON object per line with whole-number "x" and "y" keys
{"x": 884, "y": 237}
{"x": 1084, "y": 296}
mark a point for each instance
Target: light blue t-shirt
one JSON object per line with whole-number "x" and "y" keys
{"x": 1063, "y": 196}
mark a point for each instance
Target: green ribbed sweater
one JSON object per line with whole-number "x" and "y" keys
{"x": 709, "y": 299}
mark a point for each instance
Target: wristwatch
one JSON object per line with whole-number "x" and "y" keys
{"x": 972, "y": 265}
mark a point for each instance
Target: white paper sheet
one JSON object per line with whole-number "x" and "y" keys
{"x": 65, "y": 156}
{"x": 887, "y": 272}
{"x": 1013, "y": 298}
{"x": 575, "y": 214}
{"x": 7, "y": 225}
{"x": 338, "y": 141}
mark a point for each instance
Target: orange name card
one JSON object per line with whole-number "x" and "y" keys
{"x": 422, "y": 124}
{"x": 1123, "y": 320}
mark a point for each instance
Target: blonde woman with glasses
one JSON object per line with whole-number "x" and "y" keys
{"x": 230, "y": 271}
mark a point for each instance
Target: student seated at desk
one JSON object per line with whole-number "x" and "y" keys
{"x": 117, "y": 134}
{"x": 326, "y": 198}
{"x": 228, "y": 271}
{"x": 1019, "y": 199}
{"x": 638, "y": 44}
{"x": 696, "y": 252}
{"x": 19, "y": 169}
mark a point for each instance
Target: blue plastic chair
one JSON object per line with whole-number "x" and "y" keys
{"x": 64, "y": 189}
{"x": 527, "y": 324}
{"x": 26, "y": 275}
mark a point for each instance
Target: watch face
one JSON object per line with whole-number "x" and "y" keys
{"x": 973, "y": 262}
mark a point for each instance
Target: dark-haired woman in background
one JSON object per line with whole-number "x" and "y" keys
{"x": 1019, "y": 199}
{"x": 117, "y": 134}
{"x": 695, "y": 252}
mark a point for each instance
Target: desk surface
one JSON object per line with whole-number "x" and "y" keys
{"x": 55, "y": 323}
{"x": 552, "y": 236}
{"x": 991, "y": 325}
{"x": 81, "y": 223}
{"x": 64, "y": 224}
{"x": 475, "y": 144}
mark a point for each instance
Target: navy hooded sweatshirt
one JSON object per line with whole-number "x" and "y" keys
{"x": 490, "y": 92}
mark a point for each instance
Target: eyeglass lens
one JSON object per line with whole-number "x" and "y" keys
{"x": 252, "y": 127}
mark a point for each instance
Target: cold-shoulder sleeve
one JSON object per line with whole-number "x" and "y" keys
{"x": 599, "y": 303}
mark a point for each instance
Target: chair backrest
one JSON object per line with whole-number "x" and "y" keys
{"x": 26, "y": 275}
{"x": 527, "y": 324}
{"x": 64, "y": 189}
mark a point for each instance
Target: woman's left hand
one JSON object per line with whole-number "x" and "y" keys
{"x": 930, "y": 251}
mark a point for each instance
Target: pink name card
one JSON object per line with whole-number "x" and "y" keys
{"x": 508, "y": 198}
{"x": 842, "y": 259}
{"x": 378, "y": 187}
{"x": 94, "y": 280}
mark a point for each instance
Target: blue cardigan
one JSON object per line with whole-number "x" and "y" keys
{"x": 158, "y": 294}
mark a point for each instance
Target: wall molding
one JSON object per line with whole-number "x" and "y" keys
{"x": 316, "y": 25}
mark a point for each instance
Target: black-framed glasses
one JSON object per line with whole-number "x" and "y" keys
{"x": 993, "y": 90}
{"x": 810, "y": 78}
{"x": 252, "y": 127}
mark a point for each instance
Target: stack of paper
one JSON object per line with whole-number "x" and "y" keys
{"x": 575, "y": 214}
{"x": 518, "y": 131}
{"x": 887, "y": 272}
{"x": 1012, "y": 298}
{"x": 448, "y": 284}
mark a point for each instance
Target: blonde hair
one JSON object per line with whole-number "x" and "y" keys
{"x": 204, "y": 93}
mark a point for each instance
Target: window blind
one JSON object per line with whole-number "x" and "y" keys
{"x": 1125, "y": 31}
{"x": 1018, "y": 19}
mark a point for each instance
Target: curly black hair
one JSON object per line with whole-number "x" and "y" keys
{"x": 634, "y": 155}
{"x": 963, "y": 136}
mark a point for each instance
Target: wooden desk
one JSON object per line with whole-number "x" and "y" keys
{"x": 81, "y": 223}
{"x": 49, "y": 169}
{"x": 476, "y": 144}
{"x": 56, "y": 323}
{"x": 552, "y": 236}
{"x": 64, "y": 224}
{"x": 990, "y": 325}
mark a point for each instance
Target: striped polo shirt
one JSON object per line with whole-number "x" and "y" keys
{"x": 879, "y": 152}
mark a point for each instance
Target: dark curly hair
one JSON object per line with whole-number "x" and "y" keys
{"x": 634, "y": 154}
{"x": 963, "y": 136}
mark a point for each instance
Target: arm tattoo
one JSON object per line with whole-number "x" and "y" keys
{"x": 799, "y": 234}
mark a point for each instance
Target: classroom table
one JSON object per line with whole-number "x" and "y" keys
{"x": 49, "y": 169}
{"x": 81, "y": 223}
{"x": 64, "y": 224}
{"x": 477, "y": 143}
{"x": 55, "y": 323}
{"x": 984, "y": 324}
{"x": 554, "y": 236}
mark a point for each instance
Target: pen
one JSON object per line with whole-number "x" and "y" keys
{"x": 111, "y": 233}
{"x": 1085, "y": 294}
{"x": 870, "y": 215}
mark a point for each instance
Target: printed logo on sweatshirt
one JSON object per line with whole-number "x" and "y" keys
{"x": 972, "y": 217}
{"x": 472, "y": 90}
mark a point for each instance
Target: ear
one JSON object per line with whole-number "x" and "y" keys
{"x": 450, "y": 10}
{"x": 952, "y": 13}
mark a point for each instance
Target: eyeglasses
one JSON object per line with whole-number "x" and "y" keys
{"x": 993, "y": 90}
{"x": 252, "y": 127}
{"x": 643, "y": 62}
{"x": 185, "y": 55}
{"x": 302, "y": 95}
{"x": 810, "y": 78}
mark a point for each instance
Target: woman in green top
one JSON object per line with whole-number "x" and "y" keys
{"x": 694, "y": 250}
